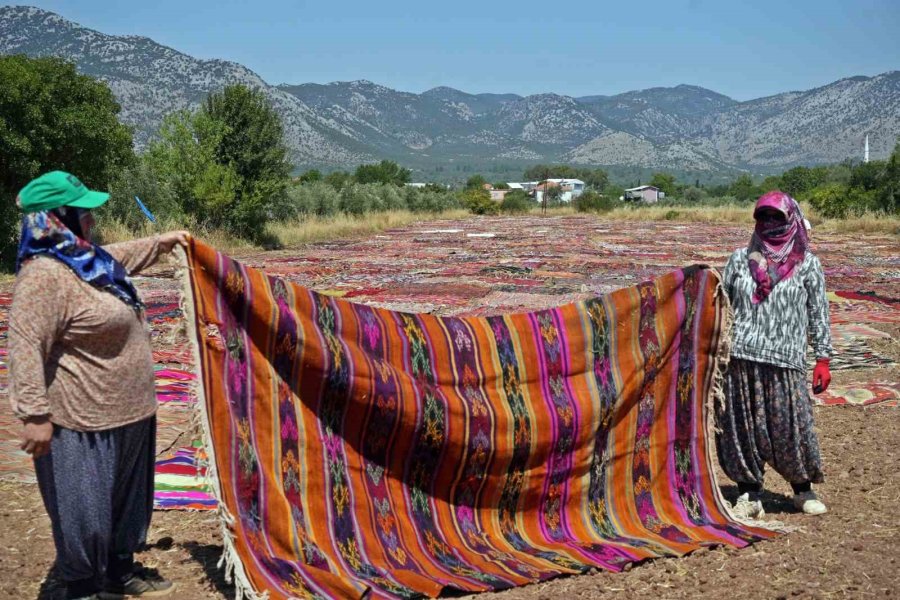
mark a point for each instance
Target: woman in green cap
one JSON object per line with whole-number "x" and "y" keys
{"x": 81, "y": 380}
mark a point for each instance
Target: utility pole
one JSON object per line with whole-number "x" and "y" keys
{"x": 866, "y": 155}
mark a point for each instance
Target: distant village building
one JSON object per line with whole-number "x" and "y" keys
{"x": 644, "y": 193}
{"x": 570, "y": 188}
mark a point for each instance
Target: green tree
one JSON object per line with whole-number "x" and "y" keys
{"x": 538, "y": 173}
{"x": 140, "y": 179}
{"x": 772, "y": 182}
{"x": 500, "y": 185}
{"x": 552, "y": 196}
{"x": 694, "y": 194}
{"x": 743, "y": 189}
{"x": 800, "y": 180}
{"x": 184, "y": 156}
{"x": 889, "y": 195}
{"x": 338, "y": 179}
{"x": 252, "y": 145}
{"x": 475, "y": 182}
{"x": 53, "y": 118}
{"x": 310, "y": 176}
{"x": 830, "y": 200}
{"x": 386, "y": 171}
{"x": 666, "y": 184}
{"x": 596, "y": 179}
{"x": 868, "y": 176}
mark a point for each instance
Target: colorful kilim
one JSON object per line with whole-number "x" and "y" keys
{"x": 358, "y": 450}
{"x": 861, "y": 394}
{"x": 181, "y": 481}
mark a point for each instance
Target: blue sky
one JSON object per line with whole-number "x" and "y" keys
{"x": 742, "y": 49}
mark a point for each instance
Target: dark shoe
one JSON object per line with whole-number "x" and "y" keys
{"x": 85, "y": 589}
{"x": 143, "y": 583}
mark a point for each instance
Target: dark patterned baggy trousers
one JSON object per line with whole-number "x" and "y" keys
{"x": 767, "y": 419}
{"x": 98, "y": 490}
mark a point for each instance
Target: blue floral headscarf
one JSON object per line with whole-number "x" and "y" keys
{"x": 44, "y": 234}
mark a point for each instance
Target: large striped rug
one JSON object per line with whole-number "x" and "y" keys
{"x": 356, "y": 450}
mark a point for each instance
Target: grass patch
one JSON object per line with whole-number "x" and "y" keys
{"x": 317, "y": 229}
{"x": 694, "y": 214}
{"x": 870, "y": 223}
{"x": 279, "y": 234}
{"x": 554, "y": 211}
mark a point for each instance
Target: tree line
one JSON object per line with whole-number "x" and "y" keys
{"x": 835, "y": 191}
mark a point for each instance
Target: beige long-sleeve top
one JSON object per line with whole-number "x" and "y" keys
{"x": 77, "y": 353}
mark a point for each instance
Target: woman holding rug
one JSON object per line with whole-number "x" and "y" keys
{"x": 777, "y": 291}
{"x": 81, "y": 380}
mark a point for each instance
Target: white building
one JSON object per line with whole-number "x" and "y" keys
{"x": 571, "y": 188}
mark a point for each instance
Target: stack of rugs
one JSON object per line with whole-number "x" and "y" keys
{"x": 359, "y": 451}
{"x": 180, "y": 482}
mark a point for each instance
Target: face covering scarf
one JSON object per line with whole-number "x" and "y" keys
{"x": 357, "y": 451}
{"x": 778, "y": 244}
{"x": 45, "y": 234}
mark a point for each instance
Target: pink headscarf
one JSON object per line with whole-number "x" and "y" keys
{"x": 777, "y": 246}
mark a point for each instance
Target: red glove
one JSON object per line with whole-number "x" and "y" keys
{"x": 821, "y": 376}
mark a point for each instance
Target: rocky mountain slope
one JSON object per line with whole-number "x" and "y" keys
{"x": 344, "y": 123}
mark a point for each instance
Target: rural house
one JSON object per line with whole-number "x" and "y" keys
{"x": 644, "y": 193}
{"x": 570, "y": 189}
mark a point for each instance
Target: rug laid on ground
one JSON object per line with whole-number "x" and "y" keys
{"x": 869, "y": 393}
{"x": 358, "y": 450}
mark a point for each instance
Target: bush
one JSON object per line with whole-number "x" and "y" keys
{"x": 671, "y": 215}
{"x": 836, "y": 201}
{"x": 430, "y": 200}
{"x": 390, "y": 197}
{"x": 516, "y": 202}
{"x": 694, "y": 194}
{"x": 316, "y": 198}
{"x": 359, "y": 199}
{"x": 478, "y": 202}
{"x": 591, "y": 201}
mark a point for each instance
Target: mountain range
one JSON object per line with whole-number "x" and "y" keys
{"x": 342, "y": 124}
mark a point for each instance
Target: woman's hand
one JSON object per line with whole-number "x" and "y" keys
{"x": 36, "y": 435}
{"x": 168, "y": 240}
{"x": 821, "y": 376}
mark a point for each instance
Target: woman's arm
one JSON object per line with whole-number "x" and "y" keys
{"x": 36, "y": 318}
{"x": 729, "y": 273}
{"x": 138, "y": 255}
{"x": 817, "y": 311}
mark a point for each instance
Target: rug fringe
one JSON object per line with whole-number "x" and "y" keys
{"x": 231, "y": 561}
{"x": 715, "y": 403}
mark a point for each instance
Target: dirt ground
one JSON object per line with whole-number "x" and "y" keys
{"x": 849, "y": 553}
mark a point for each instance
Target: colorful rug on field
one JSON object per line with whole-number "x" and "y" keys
{"x": 181, "y": 481}
{"x": 861, "y": 394}
{"x": 365, "y": 452}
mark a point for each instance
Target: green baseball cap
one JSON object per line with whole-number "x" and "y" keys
{"x": 58, "y": 188}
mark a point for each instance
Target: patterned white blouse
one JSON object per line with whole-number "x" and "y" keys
{"x": 777, "y": 330}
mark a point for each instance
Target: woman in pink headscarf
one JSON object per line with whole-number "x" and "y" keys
{"x": 777, "y": 291}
